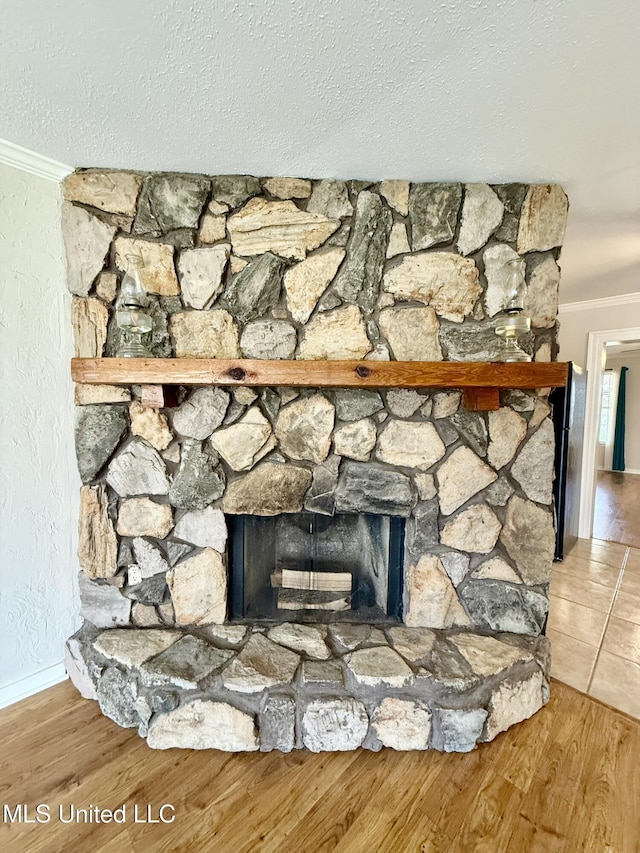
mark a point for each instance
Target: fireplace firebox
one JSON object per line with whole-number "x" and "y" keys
{"x": 316, "y": 568}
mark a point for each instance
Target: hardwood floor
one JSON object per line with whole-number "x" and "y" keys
{"x": 564, "y": 781}
{"x": 617, "y": 508}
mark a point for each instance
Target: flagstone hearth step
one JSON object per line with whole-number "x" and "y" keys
{"x": 480, "y": 381}
{"x": 322, "y": 688}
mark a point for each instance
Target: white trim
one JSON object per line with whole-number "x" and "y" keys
{"x": 23, "y": 687}
{"x": 604, "y": 302}
{"x": 628, "y": 471}
{"x": 596, "y": 360}
{"x": 30, "y": 161}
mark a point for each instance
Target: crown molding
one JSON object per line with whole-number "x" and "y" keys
{"x": 30, "y": 161}
{"x": 604, "y": 302}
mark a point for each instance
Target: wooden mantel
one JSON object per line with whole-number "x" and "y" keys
{"x": 480, "y": 381}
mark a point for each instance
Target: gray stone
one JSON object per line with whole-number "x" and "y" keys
{"x": 234, "y": 190}
{"x": 498, "y": 493}
{"x": 271, "y": 339}
{"x": 422, "y": 529}
{"x": 305, "y": 282}
{"x": 77, "y": 669}
{"x": 396, "y": 194}
{"x": 471, "y": 342}
{"x": 261, "y": 663}
{"x": 349, "y": 636}
{"x": 131, "y": 646}
{"x": 304, "y": 428}
{"x": 433, "y": 210}
{"x": 185, "y": 663}
{"x": 306, "y": 639}
{"x": 205, "y": 334}
{"x": 320, "y": 497}
{"x": 357, "y": 404}
{"x": 98, "y": 432}
{"x": 116, "y": 699}
{"x": 256, "y": 289}
{"x": 445, "y": 403}
{"x": 356, "y": 440}
{"x": 197, "y": 482}
{"x": 278, "y": 724}
{"x": 488, "y": 655}
{"x": 474, "y": 529}
{"x": 330, "y": 198}
{"x": 168, "y": 202}
{"x": 460, "y": 477}
{"x": 456, "y": 565}
{"x": 138, "y": 470}
{"x": 334, "y": 725}
{"x": 322, "y": 672}
{"x": 412, "y": 333}
{"x": 513, "y": 702}
{"x": 414, "y": 644}
{"x": 150, "y": 591}
{"x": 111, "y": 191}
{"x": 268, "y": 489}
{"x": 521, "y": 401}
{"x": 534, "y": 465}
{"x": 167, "y": 613}
{"x": 270, "y": 400}
{"x": 496, "y": 569}
{"x": 368, "y": 487}
{"x": 329, "y": 301}
{"x": 512, "y": 196}
{"x": 338, "y": 334}
{"x": 87, "y": 240}
{"x": 506, "y": 430}
{"x": 498, "y": 606}
{"x": 461, "y": 728}
{"x": 145, "y": 615}
{"x": 149, "y": 558}
{"x": 360, "y": 278}
{"x": 410, "y": 444}
{"x": 201, "y": 274}
{"x": 499, "y": 277}
{"x": 144, "y": 517}
{"x": 176, "y": 551}
{"x": 482, "y": 213}
{"x": 402, "y": 724}
{"x": 102, "y": 604}
{"x": 543, "y": 218}
{"x": 430, "y": 598}
{"x": 198, "y": 587}
{"x": 205, "y": 528}
{"x": 541, "y": 298}
{"x": 201, "y": 413}
{"x": 426, "y": 486}
{"x": 97, "y": 542}
{"x": 529, "y": 538}
{"x": 450, "y": 669}
{"x": 403, "y": 402}
{"x": 443, "y": 280}
{"x": 203, "y": 724}
{"x": 244, "y": 443}
{"x": 225, "y": 635}
{"x": 473, "y": 429}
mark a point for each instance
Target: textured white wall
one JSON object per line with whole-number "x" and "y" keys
{"x": 38, "y": 477}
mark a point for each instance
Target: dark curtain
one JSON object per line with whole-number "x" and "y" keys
{"x": 618, "y": 436}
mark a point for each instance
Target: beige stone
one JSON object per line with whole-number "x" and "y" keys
{"x": 356, "y": 440}
{"x": 213, "y": 228}
{"x": 144, "y": 517}
{"x": 205, "y": 334}
{"x": 543, "y": 352}
{"x": 307, "y": 639}
{"x": 107, "y": 286}
{"x": 541, "y": 298}
{"x": 87, "y": 240}
{"x": 529, "y": 538}
{"x": 496, "y": 569}
{"x": 534, "y": 465}
{"x": 261, "y": 663}
{"x": 402, "y": 724}
{"x": 410, "y": 444}
{"x": 499, "y": 277}
{"x": 205, "y": 528}
{"x": 279, "y": 227}
{"x": 541, "y": 411}
{"x": 414, "y": 644}
{"x": 97, "y": 542}
{"x": 334, "y": 725}
{"x": 430, "y": 598}
{"x": 158, "y": 273}
{"x": 305, "y": 282}
{"x": 330, "y": 199}
{"x": 114, "y": 192}
{"x": 339, "y": 334}
{"x": 285, "y": 188}
{"x": 487, "y": 655}
{"x": 236, "y": 265}
{"x": 460, "y": 477}
{"x": 446, "y": 403}
{"x": 482, "y": 213}
{"x": 475, "y": 529}
{"x": 512, "y": 703}
{"x": 397, "y": 195}
{"x": 448, "y": 283}
{"x": 379, "y": 665}
{"x": 269, "y": 489}
{"x": 245, "y": 442}
{"x": 88, "y": 395}
{"x": 506, "y": 430}
{"x": 149, "y": 424}
{"x": 201, "y": 274}
{"x": 132, "y": 647}
{"x": 198, "y": 589}
{"x": 398, "y": 240}
{"x": 203, "y": 724}
{"x": 412, "y": 333}
{"x": 543, "y": 218}
{"x": 89, "y": 317}
{"x": 426, "y": 486}
{"x": 304, "y": 428}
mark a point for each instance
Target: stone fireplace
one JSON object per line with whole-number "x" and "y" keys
{"x": 277, "y": 567}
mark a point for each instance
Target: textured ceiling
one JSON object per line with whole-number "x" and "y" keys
{"x": 487, "y": 90}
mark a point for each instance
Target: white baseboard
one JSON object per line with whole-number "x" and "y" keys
{"x": 23, "y": 687}
{"x": 626, "y": 470}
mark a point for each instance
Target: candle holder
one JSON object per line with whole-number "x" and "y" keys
{"x": 131, "y": 318}
{"x": 512, "y": 322}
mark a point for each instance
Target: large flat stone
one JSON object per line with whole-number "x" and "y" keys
{"x": 168, "y": 202}
{"x": 89, "y": 317}
{"x": 113, "y": 192}
{"x": 198, "y": 481}
{"x": 198, "y": 587}
{"x": 433, "y": 210}
{"x": 205, "y": 528}
{"x": 396, "y": 194}
{"x": 475, "y": 529}
{"x": 87, "y": 240}
{"x": 512, "y": 196}
{"x": 482, "y": 213}
{"x": 304, "y": 283}
{"x": 89, "y": 395}
{"x": 499, "y": 277}
{"x": 97, "y": 542}
{"x": 461, "y": 728}
{"x": 487, "y": 655}
{"x": 543, "y": 218}
{"x": 132, "y": 646}
{"x": 261, "y": 663}
{"x": 414, "y": 644}
{"x": 471, "y": 341}
{"x": 529, "y": 538}
{"x": 412, "y": 333}
{"x": 368, "y": 487}
{"x": 356, "y": 440}
{"x": 334, "y": 725}
{"x": 185, "y": 663}
{"x": 338, "y": 334}
{"x": 97, "y": 434}
{"x": 116, "y": 698}
{"x": 234, "y": 190}
{"x": 150, "y": 560}
{"x": 102, "y": 604}
{"x": 534, "y": 465}
{"x": 498, "y": 606}
{"x": 304, "y": 428}
{"x": 138, "y": 470}
{"x": 150, "y": 424}
{"x": 203, "y": 724}
{"x": 410, "y": 444}
{"x": 506, "y": 431}
{"x": 285, "y": 188}
{"x": 201, "y": 413}
{"x": 256, "y": 289}
{"x": 402, "y": 724}
{"x": 201, "y": 274}
{"x": 306, "y": 639}
{"x": 473, "y": 429}
{"x": 512, "y": 703}
{"x": 541, "y": 297}
{"x": 321, "y": 496}
{"x": 460, "y": 476}
{"x": 269, "y": 489}
{"x": 496, "y": 569}
{"x": 158, "y": 273}
{"x": 270, "y": 339}
{"x": 278, "y": 724}
{"x": 379, "y": 666}
{"x": 430, "y": 598}
{"x": 205, "y": 334}
{"x": 331, "y": 199}
{"x": 353, "y": 405}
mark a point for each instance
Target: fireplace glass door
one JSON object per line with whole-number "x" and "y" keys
{"x": 311, "y": 567}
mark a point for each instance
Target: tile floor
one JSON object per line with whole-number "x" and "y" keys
{"x": 594, "y": 622}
